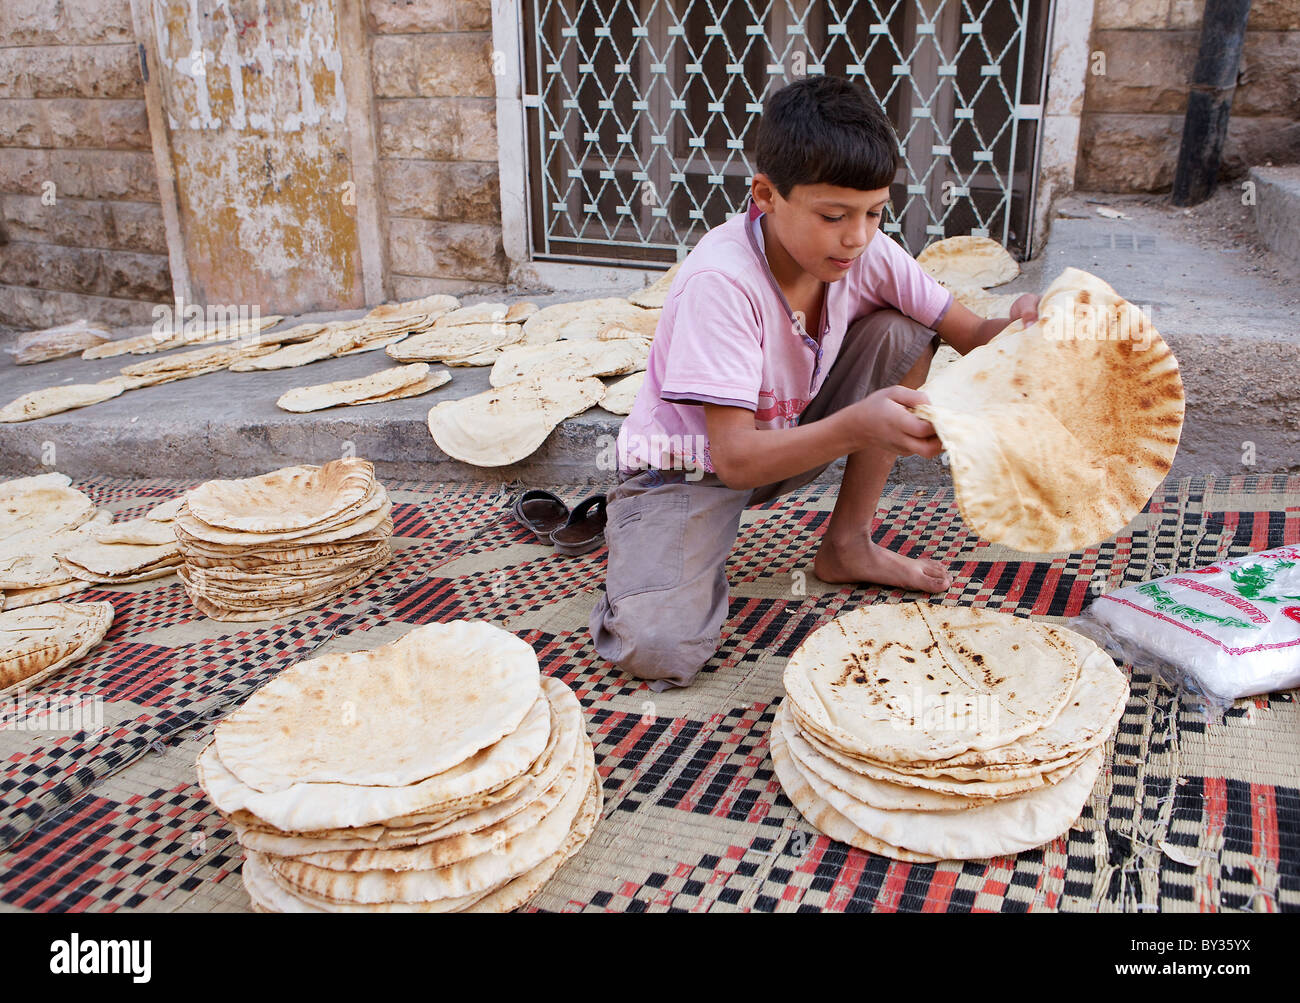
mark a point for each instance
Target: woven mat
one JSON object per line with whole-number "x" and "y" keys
{"x": 1187, "y": 816}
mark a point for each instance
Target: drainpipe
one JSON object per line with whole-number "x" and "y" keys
{"x": 1223, "y": 34}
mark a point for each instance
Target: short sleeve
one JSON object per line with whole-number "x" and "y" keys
{"x": 716, "y": 349}
{"x": 909, "y": 288}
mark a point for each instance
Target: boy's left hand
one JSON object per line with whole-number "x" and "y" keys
{"x": 1025, "y": 308}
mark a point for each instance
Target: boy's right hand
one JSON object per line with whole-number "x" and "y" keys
{"x": 883, "y": 420}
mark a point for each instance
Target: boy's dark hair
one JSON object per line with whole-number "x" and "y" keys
{"x": 826, "y": 130}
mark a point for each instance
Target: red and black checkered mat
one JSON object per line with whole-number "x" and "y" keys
{"x": 1187, "y": 815}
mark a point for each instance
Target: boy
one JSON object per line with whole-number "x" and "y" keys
{"x": 794, "y": 334}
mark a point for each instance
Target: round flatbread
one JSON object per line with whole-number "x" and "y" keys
{"x": 570, "y": 359}
{"x": 19, "y": 598}
{"x": 309, "y": 807}
{"x": 505, "y": 425}
{"x": 430, "y": 306}
{"x": 911, "y": 682}
{"x": 969, "y": 261}
{"x": 287, "y": 499}
{"x": 1058, "y": 433}
{"x": 41, "y": 506}
{"x": 37, "y": 641}
{"x": 621, "y": 394}
{"x": 387, "y": 384}
{"x": 821, "y": 815}
{"x": 54, "y": 400}
{"x": 365, "y": 717}
{"x": 442, "y": 343}
{"x": 586, "y": 319}
{"x": 653, "y": 296}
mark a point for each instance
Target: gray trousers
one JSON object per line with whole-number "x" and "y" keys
{"x": 665, "y": 600}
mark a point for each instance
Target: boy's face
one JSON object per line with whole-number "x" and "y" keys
{"x": 823, "y": 228}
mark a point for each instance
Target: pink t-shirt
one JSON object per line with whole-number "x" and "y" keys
{"x": 727, "y": 336}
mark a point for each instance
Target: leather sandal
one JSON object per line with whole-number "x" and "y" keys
{"x": 540, "y": 512}
{"x": 585, "y": 529}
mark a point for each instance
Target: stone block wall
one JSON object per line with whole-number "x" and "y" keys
{"x": 1133, "y": 112}
{"x": 73, "y": 128}
{"x": 82, "y": 227}
{"x": 435, "y": 105}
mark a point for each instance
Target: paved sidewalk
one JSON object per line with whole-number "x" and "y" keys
{"x": 1230, "y": 309}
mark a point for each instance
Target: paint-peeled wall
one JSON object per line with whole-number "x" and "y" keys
{"x": 257, "y": 135}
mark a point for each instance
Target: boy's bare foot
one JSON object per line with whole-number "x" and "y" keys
{"x": 858, "y": 559}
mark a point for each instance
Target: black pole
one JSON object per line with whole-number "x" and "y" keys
{"x": 1223, "y": 34}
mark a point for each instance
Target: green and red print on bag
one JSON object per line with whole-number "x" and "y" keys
{"x": 1225, "y": 631}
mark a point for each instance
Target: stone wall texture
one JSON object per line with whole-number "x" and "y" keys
{"x": 81, "y": 226}
{"x": 1133, "y": 111}
{"x": 82, "y": 231}
{"x": 435, "y": 128}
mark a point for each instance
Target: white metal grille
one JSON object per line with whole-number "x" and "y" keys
{"x": 641, "y": 113}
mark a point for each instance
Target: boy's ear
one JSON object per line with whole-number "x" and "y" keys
{"x": 763, "y": 192}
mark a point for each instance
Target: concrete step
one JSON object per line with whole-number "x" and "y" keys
{"x": 1231, "y": 316}
{"x": 1277, "y": 209}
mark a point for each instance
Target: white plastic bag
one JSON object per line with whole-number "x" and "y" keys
{"x": 1219, "y": 633}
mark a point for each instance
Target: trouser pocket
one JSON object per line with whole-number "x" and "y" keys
{"x": 645, "y": 534}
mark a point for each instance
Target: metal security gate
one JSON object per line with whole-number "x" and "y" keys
{"x": 641, "y": 114}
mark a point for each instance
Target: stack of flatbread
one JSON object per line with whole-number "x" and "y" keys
{"x": 117, "y": 553}
{"x": 584, "y": 319}
{"x": 382, "y": 327}
{"x": 1059, "y": 432}
{"x": 188, "y": 332}
{"x": 968, "y": 267}
{"x": 38, "y": 641}
{"x": 288, "y": 541}
{"x": 469, "y": 336}
{"x": 929, "y": 732}
{"x": 56, "y": 543}
{"x": 39, "y": 517}
{"x": 439, "y": 773}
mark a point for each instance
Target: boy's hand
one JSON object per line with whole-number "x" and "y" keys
{"x": 1025, "y": 308}
{"x": 883, "y": 420}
